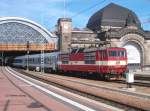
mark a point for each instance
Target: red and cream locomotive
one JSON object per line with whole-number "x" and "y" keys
{"x": 107, "y": 62}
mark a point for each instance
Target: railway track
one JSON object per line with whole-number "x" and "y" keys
{"x": 142, "y": 79}
{"x": 142, "y": 76}
{"x": 105, "y": 100}
{"x": 142, "y": 83}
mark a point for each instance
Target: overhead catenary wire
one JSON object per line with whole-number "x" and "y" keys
{"x": 147, "y": 21}
{"x": 87, "y": 9}
{"x": 82, "y": 11}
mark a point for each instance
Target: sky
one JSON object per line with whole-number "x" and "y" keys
{"x": 47, "y": 12}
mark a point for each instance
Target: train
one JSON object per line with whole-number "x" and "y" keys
{"x": 109, "y": 62}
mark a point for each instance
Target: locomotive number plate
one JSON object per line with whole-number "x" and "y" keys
{"x": 117, "y": 62}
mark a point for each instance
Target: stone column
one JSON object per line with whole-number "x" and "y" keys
{"x": 65, "y": 33}
{"x": 146, "y": 65}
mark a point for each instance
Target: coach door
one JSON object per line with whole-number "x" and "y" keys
{"x": 65, "y": 58}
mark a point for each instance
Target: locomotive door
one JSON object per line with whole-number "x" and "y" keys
{"x": 100, "y": 59}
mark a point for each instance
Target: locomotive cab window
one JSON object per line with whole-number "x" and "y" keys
{"x": 89, "y": 58}
{"x": 117, "y": 53}
{"x": 121, "y": 53}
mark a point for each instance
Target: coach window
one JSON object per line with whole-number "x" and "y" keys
{"x": 36, "y": 60}
{"x": 50, "y": 60}
{"x": 30, "y": 60}
{"x": 45, "y": 60}
{"x": 25, "y": 60}
{"x": 18, "y": 60}
{"x": 39, "y": 60}
{"x": 33, "y": 60}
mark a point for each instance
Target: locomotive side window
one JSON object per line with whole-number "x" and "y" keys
{"x": 112, "y": 53}
{"x": 89, "y": 58}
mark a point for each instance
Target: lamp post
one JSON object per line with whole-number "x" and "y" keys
{"x": 42, "y": 47}
{"x": 42, "y": 57}
{"x": 28, "y": 51}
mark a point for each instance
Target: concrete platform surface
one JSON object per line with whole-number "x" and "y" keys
{"x": 19, "y": 95}
{"x": 14, "y": 99}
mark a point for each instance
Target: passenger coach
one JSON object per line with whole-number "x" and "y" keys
{"x": 35, "y": 61}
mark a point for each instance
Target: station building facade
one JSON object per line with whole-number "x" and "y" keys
{"x": 116, "y": 24}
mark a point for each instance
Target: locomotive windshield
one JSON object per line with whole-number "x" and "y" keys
{"x": 121, "y": 53}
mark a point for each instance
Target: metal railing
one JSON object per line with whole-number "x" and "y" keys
{"x": 23, "y": 47}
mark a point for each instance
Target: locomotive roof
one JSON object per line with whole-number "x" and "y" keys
{"x": 80, "y": 50}
{"x": 94, "y": 49}
{"x": 100, "y": 48}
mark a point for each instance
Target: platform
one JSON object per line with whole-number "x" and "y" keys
{"x": 13, "y": 98}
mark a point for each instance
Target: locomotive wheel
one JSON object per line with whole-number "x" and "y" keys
{"x": 107, "y": 77}
{"x": 118, "y": 77}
